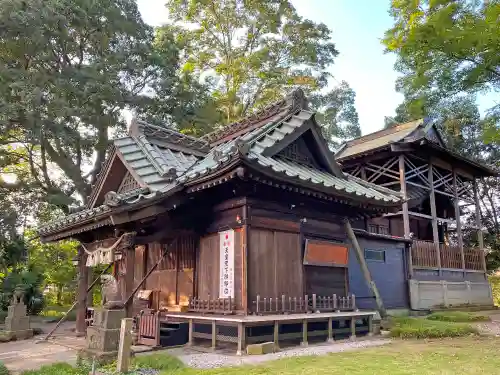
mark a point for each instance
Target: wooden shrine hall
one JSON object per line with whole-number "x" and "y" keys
{"x": 243, "y": 235}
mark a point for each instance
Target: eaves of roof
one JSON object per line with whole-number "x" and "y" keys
{"x": 118, "y": 203}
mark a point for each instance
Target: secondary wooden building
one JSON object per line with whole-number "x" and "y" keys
{"x": 440, "y": 190}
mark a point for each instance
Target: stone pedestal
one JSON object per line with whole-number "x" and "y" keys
{"x": 17, "y": 322}
{"x": 103, "y": 336}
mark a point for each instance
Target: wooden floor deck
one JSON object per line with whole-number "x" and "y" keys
{"x": 233, "y": 328}
{"x": 269, "y": 318}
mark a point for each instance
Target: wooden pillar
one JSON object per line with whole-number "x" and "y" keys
{"x": 190, "y": 333}
{"x": 276, "y": 335}
{"x": 479, "y": 225}
{"x": 124, "y": 346}
{"x": 370, "y": 325}
{"x": 214, "y": 335}
{"x": 402, "y": 182}
{"x": 244, "y": 260}
{"x": 304, "y": 333}
{"x": 241, "y": 339}
{"x": 90, "y": 294}
{"x": 128, "y": 248}
{"x": 364, "y": 267}
{"x": 457, "y": 218}
{"x": 353, "y": 328}
{"x": 81, "y": 295}
{"x": 435, "y": 234}
{"x": 363, "y": 172}
{"x": 330, "y": 330}
{"x": 177, "y": 265}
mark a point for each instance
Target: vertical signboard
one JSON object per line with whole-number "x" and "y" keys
{"x": 226, "y": 241}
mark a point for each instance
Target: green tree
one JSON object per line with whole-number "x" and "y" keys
{"x": 54, "y": 262}
{"x": 249, "y": 53}
{"x": 444, "y": 48}
{"x": 68, "y": 69}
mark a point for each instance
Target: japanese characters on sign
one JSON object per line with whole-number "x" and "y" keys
{"x": 226, "y": 264}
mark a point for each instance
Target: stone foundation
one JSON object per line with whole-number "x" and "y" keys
{"x": 103, "y": 336}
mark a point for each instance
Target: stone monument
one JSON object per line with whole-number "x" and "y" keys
{"x": 17, "y": 322}
{"x": 104, "y": 335}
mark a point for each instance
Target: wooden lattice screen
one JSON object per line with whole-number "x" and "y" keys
{"x": 128, "y": 183}
{"x": 298, "y": 152}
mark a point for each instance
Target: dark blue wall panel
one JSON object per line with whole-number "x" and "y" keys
{"x": 390, "y": 275}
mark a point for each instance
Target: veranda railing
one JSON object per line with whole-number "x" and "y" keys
{"x": 308, "y": 303}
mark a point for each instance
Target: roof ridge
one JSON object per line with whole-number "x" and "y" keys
{"x": 139, "y": 126}
{"x": 293, "y": 101}
{"x": 384, "y": 131}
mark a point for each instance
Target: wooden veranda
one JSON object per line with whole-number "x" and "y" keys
{"x": 215, "y": 329}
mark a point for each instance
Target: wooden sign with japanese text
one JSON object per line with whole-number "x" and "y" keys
{"x": 226, "y": 240}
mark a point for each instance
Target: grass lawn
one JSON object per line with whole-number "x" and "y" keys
{"x": 446, "y": 356}
{"x": 57, "y": 312}
{"x": 464, "y": 356}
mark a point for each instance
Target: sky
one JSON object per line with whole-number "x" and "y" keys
{"x": 357, "y": 28}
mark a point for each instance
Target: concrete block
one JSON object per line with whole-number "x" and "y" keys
{"x": 264, "y": 348}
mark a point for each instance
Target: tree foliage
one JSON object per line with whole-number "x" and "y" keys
{"x": 68, "y": 69}
{"x": 249, "y": 53}
{"x": 55, "y": 263}
{"x": 445, "y": 47}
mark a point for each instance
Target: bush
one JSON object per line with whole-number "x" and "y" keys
{"x": 495, "y": 288}
{"x": 30, "y": 281}
{"x": 161, "y": 362}
{"x": 57, "y": 369}
{"x": 423, "y": 328}
{"x": 3, "y": 315}
{"x": 457, "y": 317}
{"x": 3, "y": 369}
{"x": 66, "y": 297}
{"x": 57, "y": 312}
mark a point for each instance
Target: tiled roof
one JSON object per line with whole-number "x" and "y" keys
{"x": 84, "y": 214}
{"x": 252, "y": 145}
{"x": 325, "y": 181}
{"x": 165, "y": 160}
{"x": 292, "y": 102}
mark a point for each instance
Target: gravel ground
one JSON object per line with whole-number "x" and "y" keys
{"x": 196, "y": 359}
{"x": 490, "y": 328}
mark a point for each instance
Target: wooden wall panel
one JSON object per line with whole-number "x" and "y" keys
{"x": 261, "y": 275}
{"x": 185, "y": 286}
{"x": 288, "y": 263}
{"x": 274, "y": 264}
{"x": 208, "y": 267}
{"x": 208, "y": 271}
{"x": 171, "y": 287}
{"x": 325, "y": 281}
{"x": 163, "y": 285}
{"x": 139, "y": 265}
{"x": 238, "y": 267}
